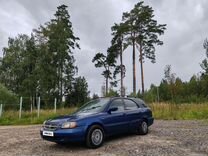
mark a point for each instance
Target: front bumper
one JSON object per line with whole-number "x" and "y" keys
{"x": 150, "y": 121}
{"x": 65, "y": 135}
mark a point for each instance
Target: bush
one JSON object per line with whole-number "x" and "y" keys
{"x": 112, "y": 93}
{"x": 6, "y": 96}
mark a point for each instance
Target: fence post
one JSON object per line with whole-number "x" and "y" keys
{"x": 20, "y": 109}
{"x": 158, "y": 95}
{"x": 38, "y": 107}
{"x": 55, "y": 101}
{"x": 1, "y": 110}
{"x": 31, "y": 105}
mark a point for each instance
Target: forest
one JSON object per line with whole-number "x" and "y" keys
{"x": 42, "y": 64}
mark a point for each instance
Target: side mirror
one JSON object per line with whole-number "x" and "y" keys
{"x": 113, "y": 109}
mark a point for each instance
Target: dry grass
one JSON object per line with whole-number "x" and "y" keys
{"x": 179, "y": 111}
{"x": 12, "y": 117}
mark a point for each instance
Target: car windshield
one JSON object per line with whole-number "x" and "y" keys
{"x": 92, "y": 107}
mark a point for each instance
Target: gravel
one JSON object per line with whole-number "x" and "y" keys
{"x": 183, "y": 138}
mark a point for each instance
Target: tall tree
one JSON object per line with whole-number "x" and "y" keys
{"x": 41, "y": 64}
{"x": 1, "y": 61}
{"x": 30, "y": 69}
{"x": 144, "y": 31}
{"x": 204, "y": 75}
{"x": 18, "y": 69}
{"x": 60, "y": 41}
{"x": 130, "y": 38}
{"x": 12, "y": 74}
{"x": 117, "y": 49}
{"x": 106, "y": 62}
{"x": 206, "y": 46}
{"x": 171, "y": 79}
{"x": 204, "y": 64}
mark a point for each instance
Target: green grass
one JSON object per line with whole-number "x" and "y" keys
{"x": 165, "y": 111}
{"x": 12, "y": 117}
{"x": 169, "y": 111}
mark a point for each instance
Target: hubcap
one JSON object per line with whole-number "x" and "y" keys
{"x": 144, "y": 127}
{"x": 97, "y": 137}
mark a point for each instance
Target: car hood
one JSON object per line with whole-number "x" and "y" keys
{"x": 61, "y": 119}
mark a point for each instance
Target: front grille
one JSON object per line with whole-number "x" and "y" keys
{"x": 51, "y": 127}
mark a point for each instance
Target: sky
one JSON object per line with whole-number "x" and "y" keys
{"x": 187, "y": 28}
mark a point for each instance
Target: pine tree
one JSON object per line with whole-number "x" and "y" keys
{"x": 57, "y": 41}
{"x": 116, "y": 50}
{"x": 143, "y": 32}
{"x": 106, "y": 62}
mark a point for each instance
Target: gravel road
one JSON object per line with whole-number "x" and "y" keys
{"x": 185, "y": 138}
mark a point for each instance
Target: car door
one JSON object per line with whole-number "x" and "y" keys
{"x": 115, "y": 122}
{"x": 133, "y": 114}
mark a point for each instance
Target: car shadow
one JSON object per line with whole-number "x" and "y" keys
{"x": 73, "y": 147}
{"x": 120, "y": 137}
{"x": 68, "y": 146}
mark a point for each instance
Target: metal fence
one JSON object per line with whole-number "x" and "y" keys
{"x": 24, "y": 105}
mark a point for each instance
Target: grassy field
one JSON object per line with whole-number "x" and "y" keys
{"x": 12, "y": 117}
{"x": 164, "y": 111}
{"x": 169, "y": 111}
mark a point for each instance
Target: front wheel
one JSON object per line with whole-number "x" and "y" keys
{"x": 143, "y": 128}
{"x": 95, "y": 136}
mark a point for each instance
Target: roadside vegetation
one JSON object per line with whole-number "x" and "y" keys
{"x": 7, "y": 96}
{"x": 12, "y": 117}
{"x": 162, "y": 111}
{"x": 186, "y": 111}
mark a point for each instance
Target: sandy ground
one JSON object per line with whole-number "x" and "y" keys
{"x": 185, "y": 138}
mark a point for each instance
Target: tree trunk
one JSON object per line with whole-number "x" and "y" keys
{"x": 106, "y": 87}
{"x": 58, "y": 100}
{"x": 134, "y": 68}
{"x": 121, "y": 61}
{"x": 31, "y": 103}
{"x": 141, "y": 65}
{"x": 61, "y": 87}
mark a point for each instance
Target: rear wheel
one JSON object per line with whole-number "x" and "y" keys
{"x": 143, "y": 128}
{"x": 95, "y": 136}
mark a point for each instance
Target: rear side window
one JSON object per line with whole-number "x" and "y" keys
{"x": 117, "y": 103}
{"x": 140, "y": 103}
{"x": 143, "y": 105}
{"x": 130, "y": 105}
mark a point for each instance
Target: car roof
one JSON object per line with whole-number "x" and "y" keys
{"x": 137, "y": 100}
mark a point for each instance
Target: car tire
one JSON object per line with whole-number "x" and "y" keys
{"x": 95, "y": 136}
{"x": 143, "y": 128}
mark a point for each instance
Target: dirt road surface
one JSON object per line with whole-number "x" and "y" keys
{"x": 185, "y": 138}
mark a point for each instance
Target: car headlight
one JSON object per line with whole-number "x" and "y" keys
{"x": 69, "y": 125}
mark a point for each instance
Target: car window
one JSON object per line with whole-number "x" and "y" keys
{"x": 140, "y": 103}
{"x": 130, "y": 105}
{"x": 143, "y": 105}
{"x": 93, "y": 106}
{"x": 117, "y": 103}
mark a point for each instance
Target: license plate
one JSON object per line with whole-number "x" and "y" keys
{"x": 48, "y": 133}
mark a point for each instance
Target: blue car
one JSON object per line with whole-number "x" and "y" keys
{"x": 98, "y": 119}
